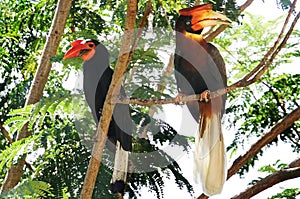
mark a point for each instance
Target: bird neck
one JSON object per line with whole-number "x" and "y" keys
{"x": 198, "y": 38}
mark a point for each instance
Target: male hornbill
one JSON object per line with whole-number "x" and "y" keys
{"x": 97, "y": 76}
{"x": 199, "y": 68}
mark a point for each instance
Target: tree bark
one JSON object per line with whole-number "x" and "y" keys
{"x": 269, "y": 181}
{"x": 14, "y": 173}
{"x": 114, "y": 90}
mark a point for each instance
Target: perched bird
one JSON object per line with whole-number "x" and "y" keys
{"x": 199, "y": 69}
{"x": 97, "y": 76}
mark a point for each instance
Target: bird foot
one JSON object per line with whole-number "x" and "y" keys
{"x": 178, "y": 98}
{"x": 205, "y": 96}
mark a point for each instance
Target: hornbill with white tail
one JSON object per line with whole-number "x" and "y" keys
{"x": 97, "y": 76}
{"x": 199, "y": 69}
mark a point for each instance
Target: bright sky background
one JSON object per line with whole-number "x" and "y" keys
{"x": 235, "y": 185}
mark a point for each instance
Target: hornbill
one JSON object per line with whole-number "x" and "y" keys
{"x": 199, "y": 69}
{"x": 97, "y": 76}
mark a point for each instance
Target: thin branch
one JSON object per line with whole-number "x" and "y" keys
{"x": 269, "y": 181}
{"x": 114, "y": 90}
{"x": 165, "y": 15}
{"x": 259, "y": 70}
{"x": 155, "y": 101}
{"x": 283, "y": 124}
{"x": 140, "y": 30}
{"x": 262, "y": 66}
{"x": 6, "y": 134}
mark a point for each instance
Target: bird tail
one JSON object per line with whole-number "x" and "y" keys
{"x": 209, "y": 155}
{"x": 118, "y": 180}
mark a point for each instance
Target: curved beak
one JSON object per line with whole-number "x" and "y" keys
{"x": 203, "y": 16}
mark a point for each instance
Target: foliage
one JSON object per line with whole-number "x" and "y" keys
{"x": 287, "y": 193}
{"x": 260, "y": 106}
{"x": 28, "y": 189}
{"x": 61, "y": 124}
{"x": 272, "y": 168}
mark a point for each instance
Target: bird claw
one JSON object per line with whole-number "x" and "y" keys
{"x": 178, "y": 98}
{"x": 205, "y": 96}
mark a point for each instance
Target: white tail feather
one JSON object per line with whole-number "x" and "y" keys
{"x": 209, "y": 156}
{"x": 120, "y": 168}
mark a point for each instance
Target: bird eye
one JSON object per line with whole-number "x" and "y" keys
{"x": 91, "y": 45}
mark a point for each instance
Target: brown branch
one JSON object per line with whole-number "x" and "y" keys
{"x": 14, "y": 173}
{"x": 295, "y": 163}
{"x": 221, "y": 28}
{"x": 183, "y": 99}
{"x": 273, "y": 51}
{"x": 260, "y": 69}
{"x": 203, "y": 196}
{"x": 140, "y": 30}
{"x": 155, "y": 101}
{"x": 6, "y": 134}
{"x": 269, "y": 181}
{"x": 114, "y": 90}
{"x": 283, "y": 124}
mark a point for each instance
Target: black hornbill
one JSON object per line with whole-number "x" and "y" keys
{"x": 199, "y": 68}
{"x": 97, "y": 76}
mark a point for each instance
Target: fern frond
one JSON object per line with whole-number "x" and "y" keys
{"x": 29, "y": 189}
{"x": 16, "y": 123}
{"x": 17, "y": 149}
{"x": 22, "y": 111}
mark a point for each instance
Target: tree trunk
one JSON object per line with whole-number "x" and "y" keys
{"x": 114, "y": 90}
{"x": 14, "y": 173}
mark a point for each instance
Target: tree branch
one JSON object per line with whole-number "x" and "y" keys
{"x": 6, "y": 134}
{"x": 140, "y": 30}
{"x": 283, "y": 124}
{"x": 269, "y": 181}
{"x": 14, "y": 173}
{"x": 114, "y": 90}
{"x": 259, "y": 70}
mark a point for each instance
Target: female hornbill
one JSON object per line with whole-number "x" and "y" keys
{"x": 97, "y": 76}
{"x": 199, "y": 68}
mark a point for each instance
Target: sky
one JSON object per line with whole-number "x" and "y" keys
{"x": 234, "y": 185}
